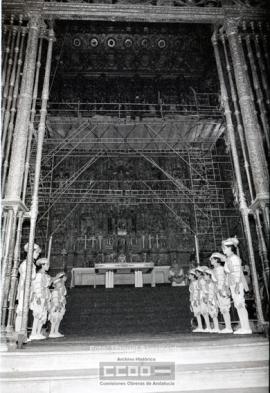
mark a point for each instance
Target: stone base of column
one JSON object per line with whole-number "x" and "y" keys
{"x": 21, "y": 339}
{"x": 8, "y": 341}
{"x": 3, "y": 342}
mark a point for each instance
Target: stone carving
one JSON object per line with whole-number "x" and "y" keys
{"x": 90, "y": 48}
{"x": 57, "y": 306}
{"x": 20, "y": 291}
{"x": 39, "y": 299}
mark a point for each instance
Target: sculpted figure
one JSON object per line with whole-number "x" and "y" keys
{"x": 57, "y": 307}
{"x": 222, "y": 289}
{"x": 195, "y": 300}
{"x": 121, "y": 257}
{"x": 236, "y": 282}
{"x": 21, "y": 284}
{"x": 203, "y": 297}
{"x": 211, "y": 298}
{"x": 176, "y": 275}
{"x": 40, "y": 298}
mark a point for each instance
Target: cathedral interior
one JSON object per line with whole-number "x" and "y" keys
{"x": 136, "y": 133}
{"x": 134, "y": 128}
{"x": 134, "y": 141}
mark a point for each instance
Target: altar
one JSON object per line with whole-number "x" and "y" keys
{"x": 121, "y": 274}
{"x": 109, "y": 269}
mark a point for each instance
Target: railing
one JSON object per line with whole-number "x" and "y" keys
{"x": 203, "y": 105}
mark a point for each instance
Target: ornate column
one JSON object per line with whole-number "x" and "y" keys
{"x": 7, "y": 253}
{"x": 263, "y": 36}
{"x": 257, "y": 87}
{"x": 262, "y": 67}
{"x": 8, "y": 126}
{"x": 12, "y": 202}
{"x": 6, "y": 51}
{"x": 32, "y": 116}
{"x": 262, "y": 245}
{"x": 251, "y": 127}
{"x": 17, "y": 160}
{"x": 14, "y": 275}
{"x": 241, "y": 196}
{"x": 34, "y": 204}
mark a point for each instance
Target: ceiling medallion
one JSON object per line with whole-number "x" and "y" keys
{"x": 128, "y": 43}
{"x": 111, "y": 42}
{"x": 94, "y": 42}
{"x": 145, "y": 43}
{"x": 161, "y": 44}
{"x": 77, "y": 42}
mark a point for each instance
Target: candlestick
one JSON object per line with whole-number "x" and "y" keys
{"x": 197, "y": 250}
{"x": 49, "y": 249}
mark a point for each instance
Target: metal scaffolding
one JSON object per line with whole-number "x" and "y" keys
{"x": 189, "y": 139}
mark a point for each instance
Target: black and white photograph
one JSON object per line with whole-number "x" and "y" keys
{"x": 135, "y": 196}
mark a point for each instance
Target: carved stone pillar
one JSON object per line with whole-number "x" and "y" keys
{"x": 251, "y": 127}
{"x": 17, "y": 160}
{"x": 34, "y": 204}
{"x": 262, "y": 246}
{"x": 242, "y": 200}
{"x": 12, "y": 202}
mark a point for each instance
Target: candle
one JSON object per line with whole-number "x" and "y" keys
{"x": 197, "y": 250}
{"x": 49, "y": 249}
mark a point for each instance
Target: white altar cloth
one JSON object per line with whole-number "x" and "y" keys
{"x": 88, "y": 276}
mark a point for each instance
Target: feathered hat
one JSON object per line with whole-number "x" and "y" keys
{"x": 219, "y": 256}
{"x": 36, "y": 247}
{"x": 42, "y": 261}
{"x": 211, "y": 274}
{"x": 193, "y": 272}
{"x": 201, "y": 269}
{"x": 231, "y": 241}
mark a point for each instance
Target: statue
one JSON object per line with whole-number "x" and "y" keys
{"x": 57, "y": 307}
{"x": 222, "y": 289}
{"x": 236, "y": 282}
{"x": 21, "y": 284}
{"x": 176, "y": 275}
{"x": 121, "y": 258}
{"x": 39, "y": 299}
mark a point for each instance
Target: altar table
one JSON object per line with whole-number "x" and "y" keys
{"x": 137, "y": 268}
{"x": 94, "y": 276}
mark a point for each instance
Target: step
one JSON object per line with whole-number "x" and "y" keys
{"x": 59, "y": 354}
{"x": 188, "y": 377}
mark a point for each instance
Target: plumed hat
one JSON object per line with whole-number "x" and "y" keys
{"x": 192, "y": 271}
{"x": 211, "y": 273}
{"x": 231, "y": 241}
{"x": 59, "y": 275}
{"x": 42, "y": 261}
{"x": 36, "y": 247}
{"x": 56, "y": 280}
{"x": 218, "y": 255}
{"x": 201, "y": 269}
